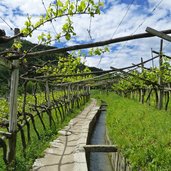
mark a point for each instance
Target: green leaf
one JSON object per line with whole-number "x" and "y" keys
{"x": 68, "y": 36}
{"x": 60, "y": 4}
{"x": 83, "y": 5}
{"x": 58, "y": 36}
{"x": 65, "y": 27}
{"x": 17, "y": 45}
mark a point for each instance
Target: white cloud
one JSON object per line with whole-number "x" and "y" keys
{"x": 27, "y": 7}
{"x": 102, "y": 27}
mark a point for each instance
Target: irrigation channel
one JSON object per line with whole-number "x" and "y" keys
{"x": 99, "y": 161}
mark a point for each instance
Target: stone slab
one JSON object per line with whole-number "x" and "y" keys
{"x": 66, "y": 153}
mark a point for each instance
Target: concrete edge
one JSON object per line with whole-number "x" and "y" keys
{"x": 80, "y": 156}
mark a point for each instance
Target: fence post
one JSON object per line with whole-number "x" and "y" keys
{"x": 48, "y": 93}
{"x": 69, "y": 91}
{"x": 142, "y": 89}
{"x": 160, "y": 81}
{"x": 13, "y": 110}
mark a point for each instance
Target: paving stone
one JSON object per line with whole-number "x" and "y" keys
{"x": 64, "y": 132}
{"x": 66, "y": 153}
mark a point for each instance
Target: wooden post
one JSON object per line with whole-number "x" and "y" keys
{"x": 48, "y": 93}
{"x": 69, "y": 97}
{"x": 142, "y": 89}
{"x": 152, "y": 58}
{"x": 69, "y": 91}
{"x": 13, "y": 111}
{"x": 160, "y": 81}
{"x": 89, "y": 89}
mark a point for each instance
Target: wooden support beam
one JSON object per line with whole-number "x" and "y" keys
{"x": 88, "y": 45}
{"x": 158, "y": 34}
{"x": 158, "y": 53}
{"x": 41, "y": 78}
{"x": 100, "y": 148}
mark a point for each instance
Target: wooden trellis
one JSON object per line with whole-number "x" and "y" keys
{"x": 64, "y": 104}
{"x": 61, "y": 107}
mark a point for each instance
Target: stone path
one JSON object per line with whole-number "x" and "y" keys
{"x": 66, "y": 153}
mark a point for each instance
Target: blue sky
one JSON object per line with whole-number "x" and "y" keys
{"x": 142, "y": 13}
{"x": 138, "y": 2}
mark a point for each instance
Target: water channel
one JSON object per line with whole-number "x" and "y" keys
{"x": 99, "y": 161}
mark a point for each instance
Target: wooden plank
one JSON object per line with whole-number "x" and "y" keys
{"x": 100, "y": 148}
{"x": 158, "y": 34}
{"x": 101, "y": 110}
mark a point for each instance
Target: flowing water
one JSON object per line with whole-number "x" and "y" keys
{"x": 99, "y": 161}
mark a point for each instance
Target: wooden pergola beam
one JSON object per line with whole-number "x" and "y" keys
{"x": 158, "y": 34}
{"x": 158, "y": 53}
{"x": 88, "y": 45}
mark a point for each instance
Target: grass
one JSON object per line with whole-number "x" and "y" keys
{"x": 152, "y": 99}
{"x": 36, "y": 147}
{"x": 142, "y": 133}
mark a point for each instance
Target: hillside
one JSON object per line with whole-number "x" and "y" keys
{"x": 34, "y": 61}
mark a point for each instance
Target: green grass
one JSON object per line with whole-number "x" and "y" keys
{"x": 36, "y": 147}
{"x": 152, "y": 99}
{"x": 142, "y": 133}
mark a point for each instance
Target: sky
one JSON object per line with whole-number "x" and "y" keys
{"x": 117, "y": 18}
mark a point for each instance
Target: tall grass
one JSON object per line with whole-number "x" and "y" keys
{"x": 142, "y": 133}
